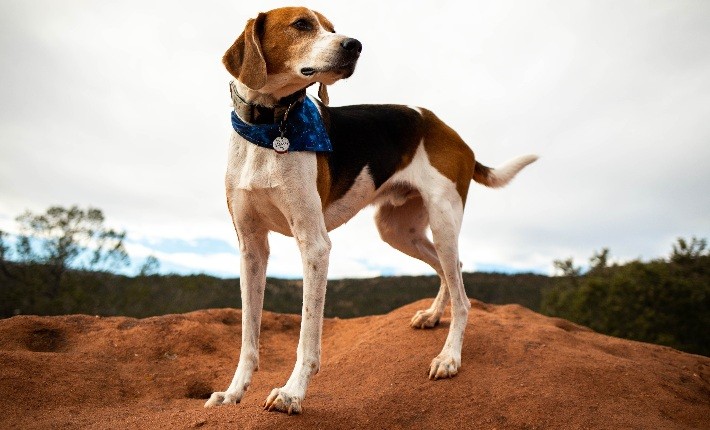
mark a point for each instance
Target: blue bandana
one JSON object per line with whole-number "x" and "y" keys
{"x": 304, "y": 130}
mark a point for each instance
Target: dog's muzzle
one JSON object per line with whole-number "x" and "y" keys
{"x": 344, "y": 63}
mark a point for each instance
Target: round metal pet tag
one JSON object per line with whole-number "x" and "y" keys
{"x": 281, "y": 144}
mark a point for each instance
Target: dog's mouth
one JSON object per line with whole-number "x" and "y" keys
{"x": 346, "y": 69}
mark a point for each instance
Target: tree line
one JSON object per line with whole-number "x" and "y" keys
{"x": 664, "y": 301}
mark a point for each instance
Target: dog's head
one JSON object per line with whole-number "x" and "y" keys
{"x": 287, "y": 49}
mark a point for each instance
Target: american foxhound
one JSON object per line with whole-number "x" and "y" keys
{"x": 403, "y": 160}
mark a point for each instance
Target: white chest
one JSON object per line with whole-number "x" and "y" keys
{"x": 251, "y": 167}
{"x": 257, "y": 172}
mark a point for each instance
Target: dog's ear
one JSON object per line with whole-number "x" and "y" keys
{"x": 244, "y": 59}
{"x": 323, "y": 94}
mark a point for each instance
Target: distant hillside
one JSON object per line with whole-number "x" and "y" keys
{"x": 142, "y": 296}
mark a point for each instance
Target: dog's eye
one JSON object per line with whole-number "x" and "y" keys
{"x": 303, "y": 25}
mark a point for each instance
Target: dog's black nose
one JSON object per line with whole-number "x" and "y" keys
{"x": 351, "y": 44}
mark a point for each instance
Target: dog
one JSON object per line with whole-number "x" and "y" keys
{"x": 403, "y": 160}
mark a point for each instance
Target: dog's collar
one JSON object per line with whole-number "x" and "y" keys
{"x": 253, "y": 113}
{"x": 299, "y": 128}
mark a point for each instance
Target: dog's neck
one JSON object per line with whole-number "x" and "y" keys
{"x": 256, "y": 107}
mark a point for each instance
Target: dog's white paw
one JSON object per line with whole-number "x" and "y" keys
{"x": 425, "y": 319}
{"x": 280, "y": 400}
{"x": 219, "y": 398}
{"x": 444, "y": 366}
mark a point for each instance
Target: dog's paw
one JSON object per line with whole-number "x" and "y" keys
{"x": 219, "y": 398}
{"x": 444, "y": 366}
{"x": 425, "y": 319}
{"x": 281, "y": 401}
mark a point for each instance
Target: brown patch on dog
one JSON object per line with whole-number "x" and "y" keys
{"x": 283, "y": 42}
{"x": 245, "y": 58}
{"x": 324, "y": 22}
{"x": 323, "y": 181}
{"x": 448, "y": 153}
{"x": 280, "y": 40}
{"x": 481, "y": 174}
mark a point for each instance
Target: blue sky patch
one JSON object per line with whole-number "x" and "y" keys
{"x": 197, "y": 246}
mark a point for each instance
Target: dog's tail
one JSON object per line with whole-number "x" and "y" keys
{"x": 500, "y": 176}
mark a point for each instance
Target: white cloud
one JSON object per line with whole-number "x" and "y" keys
{"x": 222, "y": 263}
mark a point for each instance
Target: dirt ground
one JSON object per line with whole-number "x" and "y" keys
{"x": 520, "y": 370}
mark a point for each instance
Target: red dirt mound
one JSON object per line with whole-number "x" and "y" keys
{"x": 520, "y": 370}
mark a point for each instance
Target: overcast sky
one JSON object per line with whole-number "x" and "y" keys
{"x": 124, "y": 106}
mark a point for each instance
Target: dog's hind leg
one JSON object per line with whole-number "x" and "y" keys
{"x": 254, "y": 250}
{"x": 445, "y": 214}
{"x": 404, "y": 228}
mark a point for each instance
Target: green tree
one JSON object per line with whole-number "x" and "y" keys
{"x": 4, "y": 255}
{"x": 599, "y": 261}
{"x": 557, "y": 300}
{"x": 663, "y": 301}
{"x": 567, "y": 267}
{"x": 68, "y": 238}
{"x": 151, "y": 266}
{"x": 684, "y": 251}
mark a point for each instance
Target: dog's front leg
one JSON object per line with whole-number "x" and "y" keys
{"x": 308, "y": 227}
{"x": 254, "y": 250}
